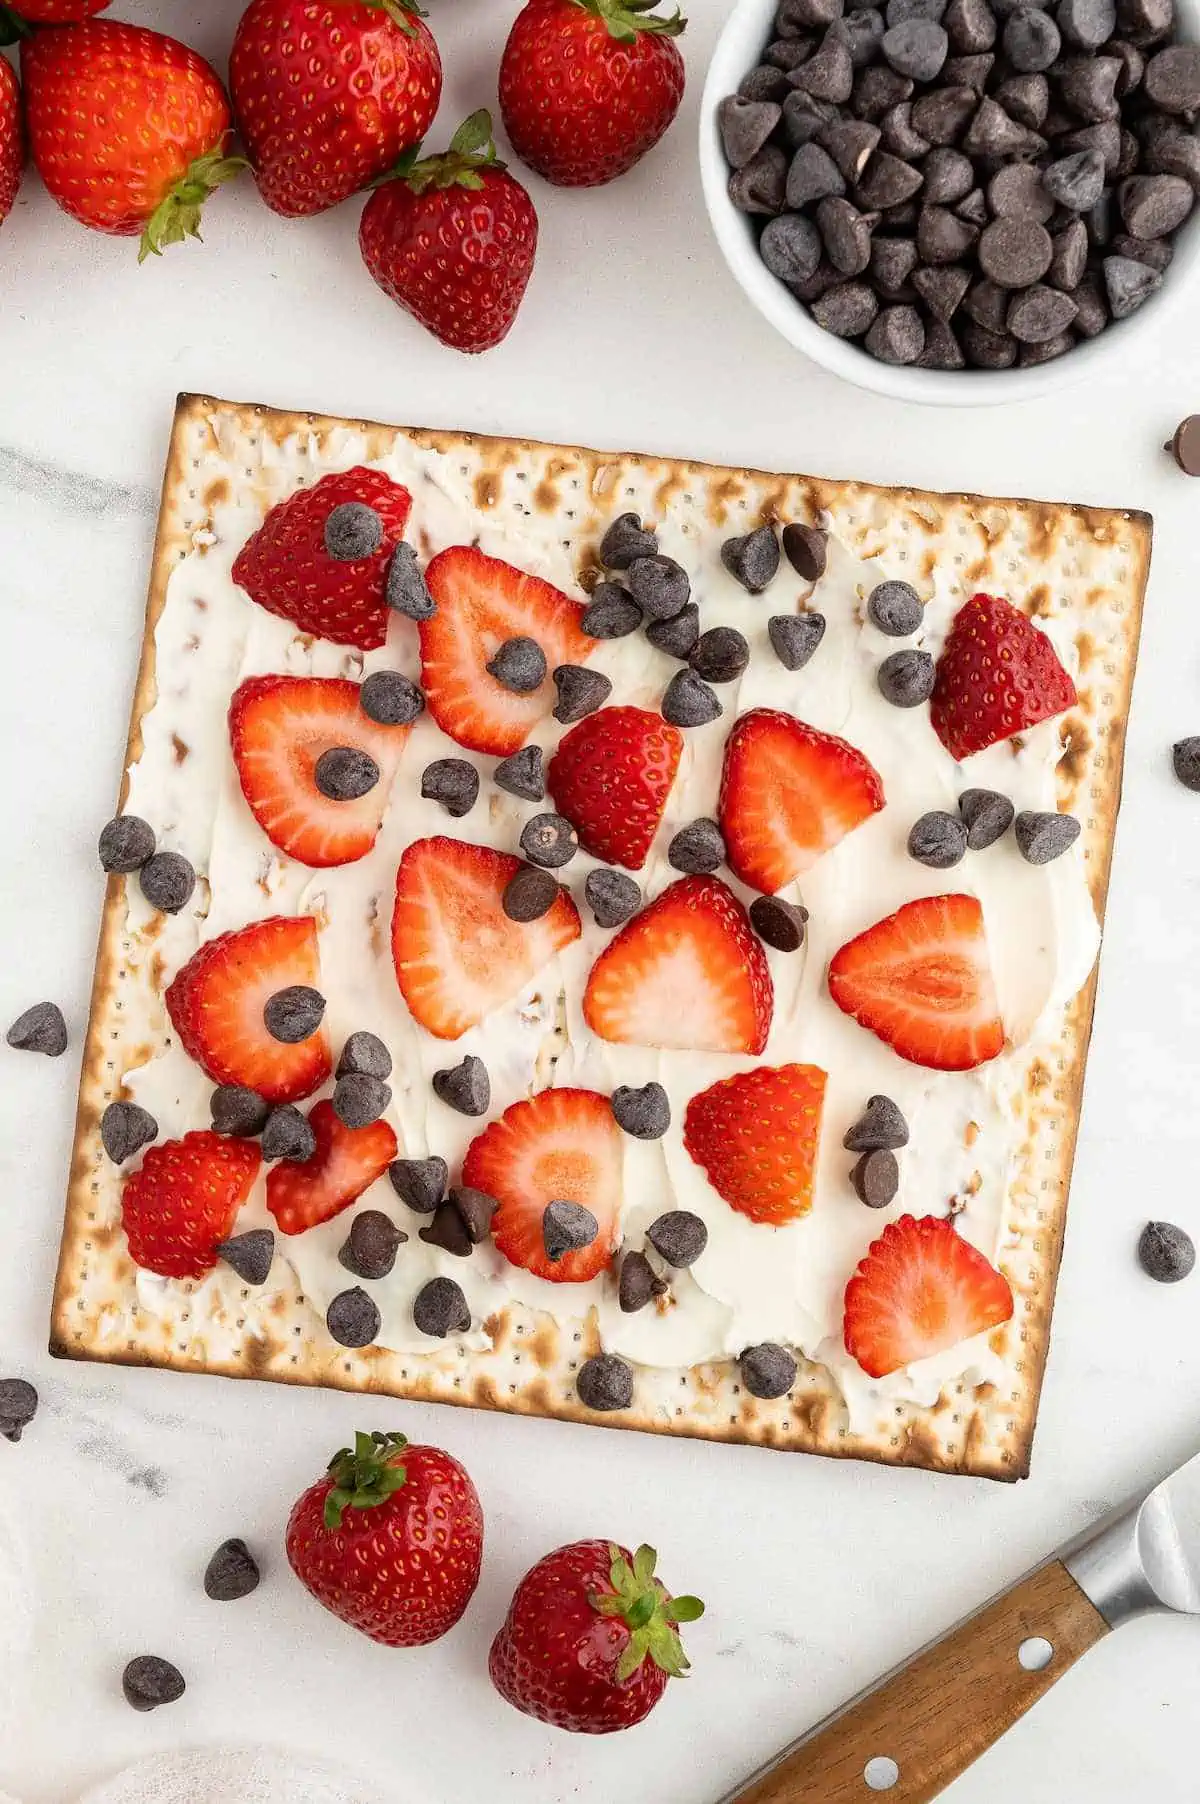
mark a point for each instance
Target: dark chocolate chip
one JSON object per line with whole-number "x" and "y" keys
{"x": 1043, "y": 837}
{"x": 1185, "y": 449}
{"x": 851, "y": 141}
{"x": 167, "y": 881}
{"x": 359, "y": 1099}
{"x": 475, "y": 1209}
{"x": 231, "y": 1573}
{"x": 605, "y": 1382}
{"x": 906, "y": 678}
{"x": 768, "y": 1371}
{"x": 39, "y": 1029}
{"x": 612, "y": 896}
{"x": 795, "y": 637}
{"x": 1032, "y": 41}
{"x": 371, "y": 1247}
{"x": 745, "y": 126}
{"x": 760, "y": 186}
{"x": 1087, "y": 23}
{"x": 567, "y": 1228}
{"x": 887, "y": 181}
{"x": 1172, "y": 80}
{"x": 812, "y": 174}
{"x": 895, "y": 608}
{"x": 899, "y": 10}
{"x": 696, "y": 848}
{"x": 1145, "y": 21}
{"x": 18, "y": 1407}
{"x": 638, "y": 1283}
{"x": 788, "y": 53}
{"x": 847, "y": 310}
{"x": 1016, "y": 192}
{"x": 624, "y": 540}
{"x": 523, "y": 774}
{"x": 790, "y": 247}
{"x": 778, "y": 923}
{"x": 235, "y": 1109}
{"x": 876, "y": 1178}
{"x": 829, "y": 73}
{"x": 406, "y": 591}
{"x": 149, "y": 1681}
{"x": 898, "y": 134}
{"x": 1133, "y": 66}
{"x": 1100, "y": 222}
{"x": 389, "y": 699}
{"x": 753, "y": 558}
{"x": 986, "y": 815}
{"x": 365, "y": 1053}
{"x": 440, "y": 1308}
{"x": 549, "y": 840}
{"x": 1039, "y": 313}
{"x": 917, "y": 47}
{"x": 465, "y": 1086}
{"x": 613, "y": 612}
{"x": 804, "y": 118}
{"x": 970, "y": 26}
{"x": 969, "y": 71}
{"x": 943, "y": 115}
{"x": 344, "y": 773}
{"x": 642, "y": 1110}
{"x": 288, "y": 1135}
{"x": 353, "y": 1319}
{"x": 1155, "y": 253}
{"x": 519, "y": 665}
{"x": 125, "y": 1127}
{"x": 897, "y": 336}
{"x": 1070, "y": 257}
{"x": 126, "y": 842}
{"x": 678, "y": 636}
{"x": 250, "y": 1255}
{"x": 949, "y": 176}
{"x": 688, "y": 702}
{"x": 846, "y": 235}
{"x": 892, "y": 263}
{"x": 1153, "y": 205}
{"x": 720, "y": 655}
{"x": 1046, "y": 350}
{"x": 942, "y": 237}
{"x": 973, "y": 209}
{"x": 764, "y": 82}
{"x": 880, "y": 1127}
{"x": 1128, "y": 285}
{"x": 421, "y": 1183}
{"x": 1091, "y": 309}
{"x": 1169, "y": 151}
{"x": 876, "y": 91}
{"x": 861, "y": 31}
{"x": 987, "y": 304}
{"x": 938, "y": 840}
{"x": 805, "y": 548}
{"x": 942, "y": 349}
{"x": 529, "y": 894}
{"x": 942, "y": 289}
{"x": 679, "y": 1237}
{"x": 293, "y": 1013}
{"x": 580, "y": 691}
{"x": 1015, "y": 253}
{"x": 988, "y": 350}
{"x": 993, "y": 134}
{"x": 1166, "y": 1253}
{"x": 352, "y": 531}
{"x": 453, "y": 783}
{"x": 1088, "y": 86}
{"x": 1025, "y": 98}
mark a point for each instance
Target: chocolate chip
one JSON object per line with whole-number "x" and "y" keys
{"x": 232, "y": 1573}
{"x": 679, "y": 1237}
{"x": 440, "y": 1308}
{"x": 549, "y": 840}
{"x": 288, "y": 1135}
{"x": 745, "y": 126}
{"x": 612, "y": 896}
{"x": 876, "y": 1178}
{"x": 659, "y": 585}
{"x": 899, "y": 10}
{"x": 149, "y": 1681}
{"x": 421, "y": 1183}
{"x": 721, "y": 655}
{"x": 973, "y": 209}
{"x": 942, "y": 237}
{"x": 812, "y": 174}
{"x": 759, "y": 187}
{"x": 523, "y": 774}
{"x": 846, "y": 235}
{"x": 764, "y": 82}
{"x": 895, "y": 608}
{"x": 795, "y": 637}
{"x": 846, "y": 310}
{"x": 39, "y": 1029}
{"x": 1153, "y": 205}
{"x": 768, "y": 1371}
{"x": 1133, "y": 66}
{"x": 126, "y": 842}
{"x": 888, "y": 182}
{"x": 1025, "y": 98}
{"x": 371, "y": 1247}
{"x": 892, "y": 263}
{"x": 970, "y": 26}
{"x": 465, "y": 1086}
{"x": 389, "y": 699}
{"x": 942, "y": 350}
{"x": 18, "y": 1407}
{"x": 1016, "y": 192}
{"x": 235, "y": 1109}
{"x": 1166, "y": 1253}
{"x": 406, "y": 591}
{"x": 1128, "y": 284}
{"x": 942, "y": 289}
{"x": 453, "y": 783}
{"x": 987, "y": 304}
{"x": 880, "y": 1127}
{"x": 567, "y": 1228}
{"x": 250, "y": 1255}
{"x": 476, "y": 1209}
{"x": 167, "y": 881}
{"x": 1070, "y": 257}
{"x": 642, "y": 1111}
{"x": 366, "y": 1053}
{"x": 972, "y": 72}
{"x": 876, "y": 91}
{"x": 829, "y": 73}
{"x": 790, "y": 247}
{"x": 986, "y": 815}
{"x": 1169, "y": 151}
{"x": 359, "y": 1100}
{"x": 1100, "y": 221}
{"x": 1172, "y": 79}
{"x": 696, "y": 848}
{"x": 1039, "y": 313}
{"x": 1091, "y": 310}
{"x": 897, "y": 336}
{"x": 942, "y": 116}
{"x": 898, "y": 135}
{"x": 1185, "y": 449}
{"x": 805, "y": 548}
{"x": 529, "y": 894}
{"x": 753, "y": 558}
{"x": 1015, "y": 253}
{"x": 638, "y": 1283}
{"x": 788, "y": 53}
{"x": 948, "y": 176}
{"x": 677, "y": 637}
{"x": 352, "y": 531}
{"x": 613, "y": 613}
{"x": 1155, "y": 253}
{"x": 851, "y": 141}
{"x": 938, "y": 840}
{"x": 293, "y": 1013}
{"x": 1088, "y": 86}
{"x": 805, "y": 118}
{"x": 353, "y": 1320}
{"x": 918, "y": 47}
{"x": 988, "y": 350}
{"x": 688, "y": 702}
{"x": 906, "y": 678}
{"x": 605, "y": 1382}
{"x": 778, "y": 923}
{"x": 1145, "y": 21}
{"x": 344, "y": 773}
{"x": 519, "y": 664}
{"x": 1043, "y": 837}
{"x": 861, "y": 31}
{"x": 625, "y": 539}
{"x": 125, "y": 1128}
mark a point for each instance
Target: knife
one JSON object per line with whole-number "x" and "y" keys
{"x": 904, "y": 1739}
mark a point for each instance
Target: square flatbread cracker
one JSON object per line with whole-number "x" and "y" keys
{"x": 1080, "y": 570}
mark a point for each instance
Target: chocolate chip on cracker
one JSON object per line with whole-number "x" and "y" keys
{"x": 613, "y": 897}
{"x": 795, "y": 637}
{"x": 659, "y": 585}
{"x": 125, "y": 1127}
{"x": 250, "y": 1255}
{"x": 549, "y": 840}
{"x": 906, "y": 678}
{"x": 768, "y": 1371}
{"x": 638, "y": 1283}
{"x": 753, "y": 558}
{"x": 370, "y": 1249}
{"x": 389, "y": 699}
{"x": 689, "y": 702}
{"x": 679, "y": 1237}
{"x": 287, "y": 1134}
{"x": 567, "y": 1228}
{"x": 294, "y": 1013}
{"x": 453, "y": 783}
{"x": 126, "y": 842}
{"x": 421, "y": 1183}
{"x": 806, "y": 550}
{"x": 778, "y": 923}
{"x": 696, "y": 848}
{"x": 406, "y": 591}
{"x": 938, "y": 840}
{"x": 1042, "y": 838}
{"x": 359, "y": 1099}
{"x": 167, "y": 881}
{"x": 720, "y": 655}
{"x": 353, "y": 1318}
{"x": 580, "y": 691}
{"x": 677, "y": 636}
{"x": 613, "y": 613}
{"x": 352, "y": 531}
{"x": 344, "y": 773}
{"x": 876, "y": 1178}
{"x": 642, "y": 1111}
{"x": 519, "y": 664}
{"x": 465, "y": 1087}
{"x": 986, "y": 815}
{"x": 625, "y": 539}
{"x": 881, "y": 1126}
{"x": 605, "y": 1382}
{"x": 440, "y": 1308}
{"x": 529, "y": 894}
{"x": 523, "y": 774}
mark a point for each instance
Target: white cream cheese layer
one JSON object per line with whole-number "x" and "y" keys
{"x": 752, "y": 1283}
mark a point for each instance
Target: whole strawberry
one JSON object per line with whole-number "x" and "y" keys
{"x": 127, "y": 128}
{"x": 390, "y": 1540}
{"x": 12, "y": 139}
{"x": 329, "y": 94}
{"x": 591, "y": 1639}
{"x": 15, "y": 18}
{"x": 587, "y": 87}
{"x": 452, "y": 240}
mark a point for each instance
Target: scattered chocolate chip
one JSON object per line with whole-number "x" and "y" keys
{"x": 406, "y": 591}
{"x": 235, "y": 1109}
{"x": 846, "y": 235}
{"x": 1128, "y": 284}
{"x": 881, "y": 1127}
{"x": 678, "y": 636}
{"x": 365, "y": 1053}
{"x": 760, "y": 186}
{"x": 567, "y": 1228}
{"x": 696, "y": 848}
{"x": 1039, "y": 313}
{"x": 942, "y": 237}
{"x": 642, "y": 1111}
{"x": 916, "y": 47}
{"x": 167, "y": 881}
{"x": 232, "y": 1573}
{"x": 970, "y": 25}
{"x": 149, "y": 1681}
{"x": 447, "y": 1229}
{"x": 39, "y": 1029}
{"x": 1166, "y": 1253}
{"x": 688, "y": 702}
{"x": 389, "y": 699}
{"x": 638, "y": 1283}
{"x": 795, "y": 637}
{"x": 288, "y": 1135}
{"x": 580, "y": 691}
{"x": 529, "y": 894}
{"x": 519, "y": 664}
{"x": 452, "y": 782}
{"x": 625, "y": 539}
{"x": 895, "y": 608}
{"x": 720, "y": 655}
{"x": 18, "y": 1407}
{"x": 371, "y": 1247}
{"x": 829, "y": 73}
{"x": 1070, "y": 257}
{"x": 523, "y": 774}
{"x": 353, "y": 530}
{"x": 549, "y": 840}
{"x": 753, "y": 558}
{"x": 1172, "y": 80}
{"x": 440, "y": 1308}
{"x": 659, "y": 585}
{"x": 465, "y": 1086}
{"x": 359, "y": 1099}
{"x": 938, "y": 840}
{"x": 805, "y": 548}
{"x": 768, "y": 1371}
{"x": 421, "y": 1183}
{"x": 353, "y": 1320}
{"x": 906, "y": 678}
{"x": 986, "y": 815}
{"x": 876, "y": 1178}
{"x": 679, "y": 1237}
{"x": 812, "y": 174}
{"x": 942, "y": 116}
{"x": 847, "y": 309}
{"x": 1044, "y": 837}
{"x": 745, "y": 126}
{"x": 605, "y": 1382}
{"x": 250, "y": 1254}
{"x": 612, "y": 896}
{"x": 125, "y": 1128}
{"x": 476, "y": 1209}
{"x": 344, "y": 773}
{"x": 1185, "y": 449}
{"x": 293, "y": 1013}
{"x": 778, "y": 923}
{"x": 126, "y": 842}
{"x": 613, "y": 612}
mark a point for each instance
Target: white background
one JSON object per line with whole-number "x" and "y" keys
{"x": 817, "y": 1574}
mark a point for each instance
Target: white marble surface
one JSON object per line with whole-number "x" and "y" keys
{"x": 817, "y": 1575}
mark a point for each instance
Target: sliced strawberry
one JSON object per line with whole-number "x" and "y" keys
{"x": 756, "y": 1136}
{"x": 183, "y": 1200}
{"x": 481, "y": 602}
{"x": 216, "y": 1006}
{"x": 997, "y": 675}
{"x": 788, "y": 794}
{"x": 562, "y": 1146}
{"x": 347, "y": 1160}
{"x": 611, "y": 777}
{"x": 458, "y": 955}
{"x": 286, "y": 568}
{"x": 687, "y": 973}
{"x": 920, "y": 1288}
{"x": 922, "y": 981}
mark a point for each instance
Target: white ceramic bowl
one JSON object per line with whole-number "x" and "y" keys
{"x": 744, "y": 36}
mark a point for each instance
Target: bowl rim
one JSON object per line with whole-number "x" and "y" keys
{"x": 746, "y": 23}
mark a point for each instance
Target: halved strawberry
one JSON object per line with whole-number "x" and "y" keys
{"x": 920, "y": 1288}
{"x": 347, "y": 1160}
{"x": 286, "y": 568}
{"x": 997, "y": 675}
{"x": 458, "y": 956}
{"x": 756, "y": 1136}
{"x": 183, "y": 1199}
{"x": 611, "y": 777}
{"x": 688, "y": 972}
{"x": 922, "y": 981}
{"x": 562, "y": 1146}
{"x": 216, "y": 1006}
{"x": 278, "y": 727}
{"x": 481, "y": 602}
{"x": 788, "y": 794}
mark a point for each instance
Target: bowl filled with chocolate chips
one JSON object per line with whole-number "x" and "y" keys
{"x": 957, "y": 201}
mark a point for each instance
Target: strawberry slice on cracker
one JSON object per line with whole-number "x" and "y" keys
{"x": 182, "y": 1201}
{"x": 301, "y": 1193}
{"x": 611, "y": 776}
{"x": 998, "y": 675}
{"x": 920, "y": 1289}
{"x": 756, "y": 1136}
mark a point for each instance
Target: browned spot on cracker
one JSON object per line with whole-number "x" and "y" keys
{"x": 495, "y": 1326}
{"x": 1077, "y": 743}
{"x": 721, "y": 497}
{"x": 971, "y": 1133}
{"x": 545, "y": 496}
{"x": 543, "y": 1344}
{"x": 1040, "y": 605}
{"x": 1045, "y": 525}
{"x": 487, "y": 489}
{"x": 927, "y": 566}
{"x": 1086, "y": 649}
{"x": 179, "y": 748}
{"x": 1039, "y": 1077}
{"x": 217, "y": 492}
{"x": 158, "y": 971}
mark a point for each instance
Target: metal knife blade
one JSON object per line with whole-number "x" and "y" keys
{"x": 1147, "y": 1557}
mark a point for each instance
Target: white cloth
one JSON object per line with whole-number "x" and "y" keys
{"x": 16, "y": 1614}
{"x": 233, "y": 1776}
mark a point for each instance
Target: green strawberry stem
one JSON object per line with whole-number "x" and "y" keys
{"x": 626, "y": 18}
{"x": 177, "y": 215}
{"x": 12, "y": 26}
{"x": 648, "y": 1611}
{"x": 366, "y": 1476}
{"x": 472, "y": 148}
{"x": 401, "y": 13}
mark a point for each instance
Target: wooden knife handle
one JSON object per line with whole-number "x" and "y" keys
{"x": 938, "y": 1713}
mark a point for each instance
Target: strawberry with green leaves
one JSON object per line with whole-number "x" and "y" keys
{"x": 452, "y": 239}
{"x": 591, "y": 1639}
{"x": 12, "y": 139}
